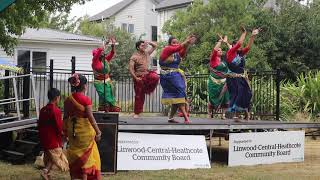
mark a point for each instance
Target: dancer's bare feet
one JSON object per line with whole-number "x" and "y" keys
{"x": 44, "y": 174}
{"x": 187, "y": 121}
{"x": 172, "y": 121}
{"x": 247, "y": 116}
{"x": 236, "y": 119}
{"x": 223, "y": 116}
{"x": 135, "y": 116}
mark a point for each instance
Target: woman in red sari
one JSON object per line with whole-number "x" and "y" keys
{"x": 82, "y": 132}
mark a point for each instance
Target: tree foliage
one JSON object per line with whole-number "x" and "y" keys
{"x": 60, "y": 21}
{"x": 126, "y": 47}
{"x": 289, "y": 40}
{"x": 25, "y": 13}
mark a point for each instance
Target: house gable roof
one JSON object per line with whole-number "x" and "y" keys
{"x": 111, "y": 11}
{"x": 170, "y": 4}
{"x": 50, "y": 35}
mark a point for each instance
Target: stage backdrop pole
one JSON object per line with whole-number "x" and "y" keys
{"x": 51, "y": 73}
{"x": 6, "y": 91}
{"x": 278, "y": 79}
{"x": 26, "y": 90}
{"x": 73, "y": 64}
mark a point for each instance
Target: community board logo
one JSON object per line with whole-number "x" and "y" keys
{"x": 266, "y": 147}
{"x": 137, "y": 151}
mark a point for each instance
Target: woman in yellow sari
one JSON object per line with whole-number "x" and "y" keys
{"x": 82, "y": 131}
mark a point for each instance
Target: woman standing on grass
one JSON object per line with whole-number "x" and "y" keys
{"x": 82, "y": 131}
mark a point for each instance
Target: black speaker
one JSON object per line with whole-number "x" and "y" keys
{"x": 108, "y": 124}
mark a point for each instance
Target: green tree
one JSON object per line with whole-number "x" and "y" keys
{"x": 25, "y": 13}
{"x": 126, "y": 47}
{"x": 206, "y": 21}
{"x": 289, "y": 40}
{"x": 60, "y": 21}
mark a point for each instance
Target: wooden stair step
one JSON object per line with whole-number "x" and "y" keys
{"x": 13, "y": 152}
{"x": 32, "y": 130}
{"x": 26, "y": 142}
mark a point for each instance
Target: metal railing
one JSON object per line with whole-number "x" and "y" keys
{"x": 265, "y": 87}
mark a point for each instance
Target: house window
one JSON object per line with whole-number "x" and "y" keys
{"x": 154, "y": 33}
{"x": 131, "y": 28}
{"x": 154, "y": 62}
{"x": 37, "y": 59}
{"x": 124, "y": 27}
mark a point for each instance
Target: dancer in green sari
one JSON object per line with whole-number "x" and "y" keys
{"x": 102, "y": 81}
{"x": 217, "y": 87}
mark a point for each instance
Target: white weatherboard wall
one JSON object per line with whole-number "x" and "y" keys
{"x": 164, "y": 16}
{"x": 60, "y": 53}
{"x": 140, "y": 14}
{"x": 132, "y": 14}
{"x": 150, "y": 18}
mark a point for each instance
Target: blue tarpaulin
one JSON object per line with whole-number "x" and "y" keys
{"x": 5, "y": 3}
{"x": 7, "y": 65}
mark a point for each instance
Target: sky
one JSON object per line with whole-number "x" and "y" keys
{"x": 95, "y": 6}
{"x": 91, "y": 7}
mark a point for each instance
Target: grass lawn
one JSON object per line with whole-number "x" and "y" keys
{"x": 309, "y": 169}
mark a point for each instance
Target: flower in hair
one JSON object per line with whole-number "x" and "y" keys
{"x": 75, "y": 80}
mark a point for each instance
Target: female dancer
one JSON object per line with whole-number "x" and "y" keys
{"x": 217, "y": 86}
{"x": 239, "y": 88}
{"x": 102, "y": 81}
{"x": 172, "y": 78}
{"x": 82, "y": 131}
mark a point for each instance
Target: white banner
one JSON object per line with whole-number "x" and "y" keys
{"x": 137, "y": 151}
{"x": 266, "y": 147}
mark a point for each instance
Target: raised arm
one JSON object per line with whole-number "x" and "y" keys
{"x": 110, "y": 55}
{"x": 231, "y": 54}
{"x": 169, "y": 50}
{"x": 243, "y": 35}
{"x": 251, "y": 40}
{"x": 225, "y": 40}
{"x": 154, "y": 45}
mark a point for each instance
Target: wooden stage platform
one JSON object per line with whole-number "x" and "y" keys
{"x": 161, "y": 123}
{"x": 127, "y": 123}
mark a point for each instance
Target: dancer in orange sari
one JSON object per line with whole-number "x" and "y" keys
{"x": 82, "y": 132}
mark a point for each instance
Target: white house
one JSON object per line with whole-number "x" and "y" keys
{"x": 134, "y": 16}
{"x": 166, "y": 9}
{"x": 38, "y": 46}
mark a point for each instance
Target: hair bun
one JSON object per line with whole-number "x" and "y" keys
{"x": 74, "y": 80}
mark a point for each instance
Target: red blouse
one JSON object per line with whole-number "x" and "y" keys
{"x": 215, "y": 59}
{"x": 50, "y": 127}
{"x": 169, "y": 50}
{"x": 232, "y": 53}
{"x": 70, "y": 108}
{"x": 96, "y": 63}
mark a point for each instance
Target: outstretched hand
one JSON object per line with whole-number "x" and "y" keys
{"x": 225, "y": 39}
{"x": 256, "y": 31}
{"x": 220, "y": 37}
{"x": 112, "y": 40}
{"x": 243, "y": 29}
{"x": 191, "y": 39}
